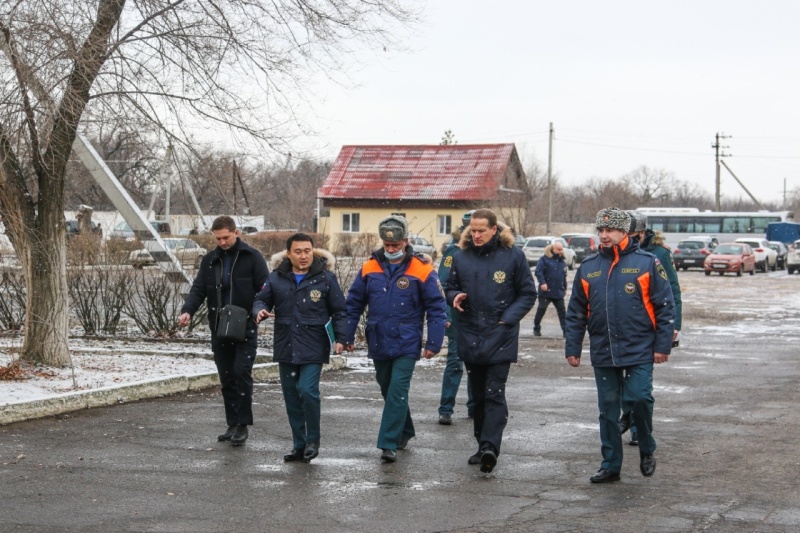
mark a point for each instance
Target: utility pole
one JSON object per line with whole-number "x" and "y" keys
{"x": 716, "y": 146}
{"x": 550, "y": 181}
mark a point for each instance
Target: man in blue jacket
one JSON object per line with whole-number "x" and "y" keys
{"x": 308, "y": 306}
{"x": 401, "y": 291}
{"x": 551, "y": 273}
{"x": 491, "y": 287}
{"x": 241, "y": 271}
{"x": 621, "y": 296}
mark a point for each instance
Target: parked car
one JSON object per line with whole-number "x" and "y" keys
{"x": 534, "y": 249}
{"x": 124, "y": 231}
{"x": 421, "y": 245}
{"x": 782, "y": 252}
{"x": 793, "y": 258}
{"x": 519, "y": 241}
{"x": 584, "y": 244}
{"x": 188, "y": 252}
{"x": 766, "y": 257}
{"x": 731, "y": 257}
{"x": 690, "y": 254}
{"x": 74, "y": 228}
{"x": 710, "y": 240}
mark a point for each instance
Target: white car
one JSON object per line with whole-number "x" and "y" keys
{"x": 793, "y": 258}
{"x": 421, "y": 245}
{"x": 534, "y": 249}
{"x": 766, "y": 257}
{"x": 188, "y": 252}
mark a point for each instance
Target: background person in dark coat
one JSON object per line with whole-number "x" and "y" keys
{"x": 551, "y": 273}
{"x": 402, "y": 292}
{"x": 491, "y": 286}
{"x": 305, "y": 295}
{"x": 243, "y": 272}
{"x": 454, "y": 369}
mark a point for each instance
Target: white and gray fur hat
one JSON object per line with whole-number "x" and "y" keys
{"x": 614, "y": 218}
{"x": 393, "y": 228}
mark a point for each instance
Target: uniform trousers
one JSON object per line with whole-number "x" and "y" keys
{"x": 300, "y": 385}
{"x": 451, "y": 381}
{"x": 394, "y": 378}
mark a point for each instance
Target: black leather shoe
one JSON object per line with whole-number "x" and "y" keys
{"x": 227, "y": 435}
{"x": 488, "y": 460}
{"x": 239, "y": 435}
{"x": 403, "y": 442}
{"x": 295, "y": 455}
{"x": 537, "y": 332}
{"x": 445, "y": 419}
{"x": 312, "y": 450}
{"x": 604, "y": 476}
{"x": 647, "y": 464}
{"x": 624, "y": 422}
{"x": 475, "y": 458}
{"x": 389, "y": 456}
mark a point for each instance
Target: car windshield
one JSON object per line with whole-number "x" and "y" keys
{"x": 536, "y": 243}
{"x": 578, "y": 241}
{"x": 728, "y": 249}
{"x": 122, "y": 226}
{"x": 691, "y": 245}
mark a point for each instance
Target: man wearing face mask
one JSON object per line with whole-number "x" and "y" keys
{"x": 401, "y": 290}
{"x": 551, "y": 273}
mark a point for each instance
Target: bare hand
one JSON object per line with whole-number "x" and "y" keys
{"x": 350, "y": 347}
{"x": 574, "y": 360}
{"x": 429, "y": 353}
{"x": 262, "y": 315}
{"x": 543, "y": 287}
{"x": 184, "y": 320}
{"x": 338, "y": 347}
{"x": 661, "y": 357}
{"x": 460, "y": 297}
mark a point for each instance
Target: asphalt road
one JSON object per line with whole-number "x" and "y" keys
{"x": 726, "y": 421}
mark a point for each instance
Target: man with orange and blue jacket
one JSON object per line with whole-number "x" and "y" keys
{"x": 622, "y": 297}
{"x": 401, "y": 290}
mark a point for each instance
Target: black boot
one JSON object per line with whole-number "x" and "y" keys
{"x": 312, "y": 450}
{"x": 227, "y": 435}
{"x": 239, "y": 435}
{"x": 537, "y": 331}
{"x": 295, "y": 455}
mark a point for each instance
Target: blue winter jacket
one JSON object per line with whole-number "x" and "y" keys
{"x": 551, "y": 270}
{"x": 500, "y": 292}
{"x": 622, "y": 297}
{"x": 302, "y": 311}
{"x": 444, "y": 272}
{"x": 399, "y": 304}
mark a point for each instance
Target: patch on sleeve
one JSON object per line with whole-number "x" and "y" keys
{"x": 661, "y": 271}
{"x": 448, "y": 261}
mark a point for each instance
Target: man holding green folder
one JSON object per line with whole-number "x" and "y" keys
{"x": 310, "y": 317}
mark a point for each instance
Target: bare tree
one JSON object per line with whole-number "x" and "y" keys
{"x": 174, "y": 64}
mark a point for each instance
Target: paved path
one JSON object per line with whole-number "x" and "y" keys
{"x": 727, "y": 423}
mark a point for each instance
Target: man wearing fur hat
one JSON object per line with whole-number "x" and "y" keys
{"x": 491, "y": 286}
{"x": 401, "y": 290}
{"x": 622, "y": 297}
{"x": 306, "y": 297}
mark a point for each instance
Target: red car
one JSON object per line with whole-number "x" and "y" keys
{"x": 731, "y": 257}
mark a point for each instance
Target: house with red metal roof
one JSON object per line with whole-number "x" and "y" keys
{"x": 431, "y": 185}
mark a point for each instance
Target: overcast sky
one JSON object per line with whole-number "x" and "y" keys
{"x": 625, "y": 84}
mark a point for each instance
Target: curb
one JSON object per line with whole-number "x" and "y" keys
{"x": 154, "y": 388}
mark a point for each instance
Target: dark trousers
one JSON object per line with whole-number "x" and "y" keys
{"x": 300, "y": 385}
{"x": 234, "y": 362}
{"x": 451, "y": 380}
{"x": 631, "y": 389}
{"x": 544, "y": 301}
{"x": 491, "y": 411}
{"x": 394, "y": 378}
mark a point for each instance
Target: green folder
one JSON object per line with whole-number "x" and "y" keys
{"x": 329, "y": 331}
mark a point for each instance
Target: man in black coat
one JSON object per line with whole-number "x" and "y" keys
{"x": 242, "y": 272}
{"x": 490, "y": 284}
{"x": 310, "y": 316}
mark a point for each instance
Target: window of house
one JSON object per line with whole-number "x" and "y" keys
{"x": 444, "y": 224}
{"x": 351, "y": 223}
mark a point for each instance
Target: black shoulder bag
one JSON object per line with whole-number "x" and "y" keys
{"x": 231, "y": 319}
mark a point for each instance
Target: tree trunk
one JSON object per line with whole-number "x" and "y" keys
{"x": 47, "y": 313}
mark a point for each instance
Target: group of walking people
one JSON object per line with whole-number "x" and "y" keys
{"x": 486, "y": 289}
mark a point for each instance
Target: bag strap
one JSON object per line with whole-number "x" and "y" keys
{"x": 218, "y": 276}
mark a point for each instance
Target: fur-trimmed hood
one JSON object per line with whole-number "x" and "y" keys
{"x": 325, "y": 258}
{"x": 504, "y": 236}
